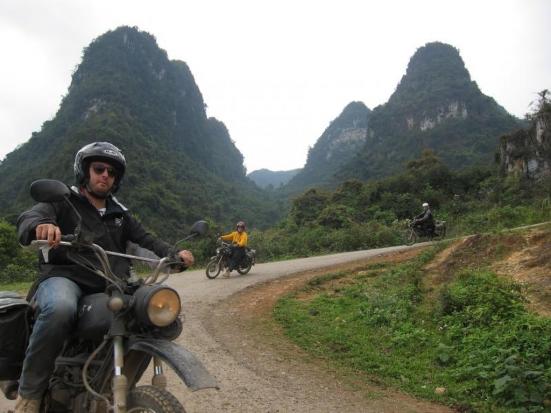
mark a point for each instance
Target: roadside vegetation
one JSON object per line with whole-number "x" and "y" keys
{"x": 17, "y": 265}
{"x": 360, "y": 215}
{"x": 466, "y": 340}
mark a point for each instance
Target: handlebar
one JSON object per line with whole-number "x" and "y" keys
{"x": 42, "y": 243}
{"x": 68, "y": 243}
{"x": 224, "y": 244}
{"x": 102, "y": 255}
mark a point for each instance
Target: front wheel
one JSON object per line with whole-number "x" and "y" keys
{"x": 213, "y": 268}
{"x": 410, "y": 237}
{"x": 150, "y": 399}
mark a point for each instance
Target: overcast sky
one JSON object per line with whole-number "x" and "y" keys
{"x": 275, "y": 72}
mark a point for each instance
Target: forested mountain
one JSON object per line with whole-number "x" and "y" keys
{"x": 182, "y": 166}
{"x": 334, "y": 149}
{"x": 435, "y": 106}
{"x": 265, "y": 178}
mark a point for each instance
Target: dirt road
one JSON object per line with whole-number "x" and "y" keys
{"x": 274, "y": 376}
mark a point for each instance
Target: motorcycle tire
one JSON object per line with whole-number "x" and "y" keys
{"x": 410, "y": 237}
{"x": 213, "y": 269}
{"x": 150, "y": 399}
{"x": 244, "y": 270}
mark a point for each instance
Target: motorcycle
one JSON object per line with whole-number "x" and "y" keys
{"x": 414, "y": 232}
{"x": 117, "y": 334}
{"x": 221, "y": 260}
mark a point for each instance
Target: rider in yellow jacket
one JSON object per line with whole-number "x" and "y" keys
{"x": 239, "y": 240}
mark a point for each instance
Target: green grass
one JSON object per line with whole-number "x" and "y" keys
{"x": 477, "y": 341}
{"x": 21, "y": 287}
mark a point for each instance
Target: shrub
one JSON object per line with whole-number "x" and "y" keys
{"x": 336, "y": 216}
{"x": 16, "y": 263}
{"x": 481, "y": 298}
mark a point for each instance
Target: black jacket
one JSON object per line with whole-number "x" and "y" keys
{"x": 425, "y": 218}
{"x": 110, "y": 231}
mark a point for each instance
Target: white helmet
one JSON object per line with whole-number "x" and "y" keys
{"x": 425, "y": 205}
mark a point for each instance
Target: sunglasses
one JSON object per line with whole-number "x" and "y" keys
{"x": 100, "y": 169}
{"x": 240, "y": 226}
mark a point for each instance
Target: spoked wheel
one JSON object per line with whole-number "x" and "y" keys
{"x": 213, "y": 268}
{"x": 410, "y": 237}
{"x": 150, "y": 399}
{"x": 244, "y": 270}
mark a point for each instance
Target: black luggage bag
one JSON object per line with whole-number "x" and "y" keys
{"x": 15, "y": 314}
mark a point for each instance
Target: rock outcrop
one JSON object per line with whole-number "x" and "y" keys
{"x": 339, "y": 143}
{"x": 527, "y": 152}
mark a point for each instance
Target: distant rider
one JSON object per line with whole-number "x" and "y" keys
{"x": 425, "y": 221}
{"x": 239, "y": 240}
{"x": 99, "y": 169}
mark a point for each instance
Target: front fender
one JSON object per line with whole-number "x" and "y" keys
{"x": 184, "y": 363}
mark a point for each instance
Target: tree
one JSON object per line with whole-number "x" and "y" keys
{"x": 541, "y": 105}
{"x": 307, "y": 207}
{"x": 16, "y": 263}
{"x": 430, "y": 169}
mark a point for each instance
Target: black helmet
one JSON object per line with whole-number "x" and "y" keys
{"x": 99, "y": 151}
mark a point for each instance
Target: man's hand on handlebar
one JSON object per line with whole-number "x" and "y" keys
{"x": 49, "y": 232}
{"x": 186, "y": 257}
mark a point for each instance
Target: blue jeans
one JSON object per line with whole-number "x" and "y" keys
{"x": 56, "y": 301}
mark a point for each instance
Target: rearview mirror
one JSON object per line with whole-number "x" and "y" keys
{"x": 49, "y": 190}
{"x": 199, "y": 228}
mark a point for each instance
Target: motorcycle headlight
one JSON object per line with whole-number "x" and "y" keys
{"x": 157, "y": 305}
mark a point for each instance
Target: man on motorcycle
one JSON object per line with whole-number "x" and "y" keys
{"x": 425, "y": 221}
{"x": 239, "y": 240}
{"x": 99, "y": 169}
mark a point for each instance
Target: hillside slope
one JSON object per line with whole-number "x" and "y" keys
{"x": 444, "y": 322}
{"x": 523, "y": 256}
{"x": 266, "y": 178}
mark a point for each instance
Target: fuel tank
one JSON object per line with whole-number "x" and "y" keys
{"x": 94, "y": 317}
